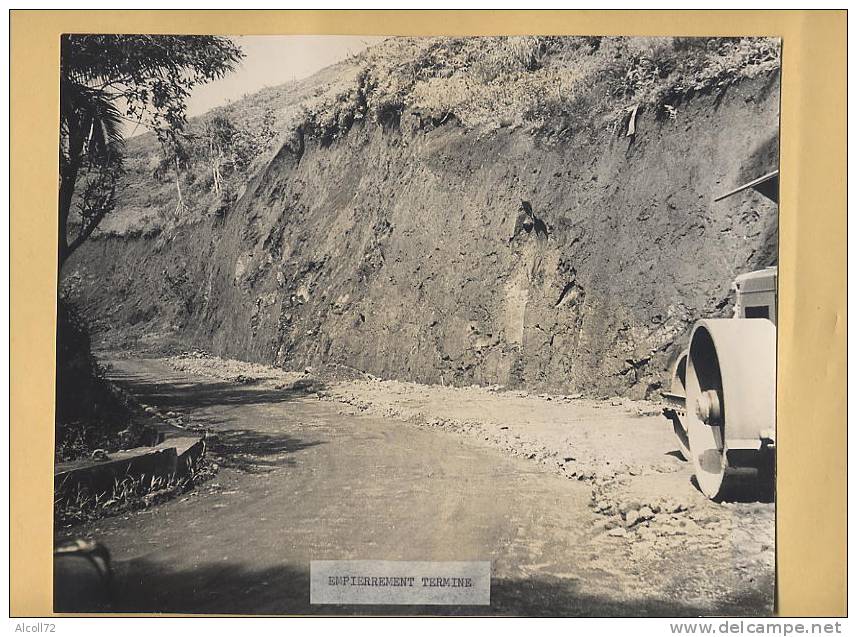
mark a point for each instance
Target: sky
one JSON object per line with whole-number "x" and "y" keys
{"x": 271, "y": 60}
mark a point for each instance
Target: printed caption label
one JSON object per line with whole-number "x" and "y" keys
{"x": 387, "y": 582}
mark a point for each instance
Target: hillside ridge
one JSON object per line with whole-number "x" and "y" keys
{"x": 378, "y": 229}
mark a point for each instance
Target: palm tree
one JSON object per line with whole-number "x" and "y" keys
{"x": 106, "y": 79}
{"x": 90, "y": 136}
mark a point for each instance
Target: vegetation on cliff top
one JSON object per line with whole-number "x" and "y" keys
{"x": 105, "y": 79}
{"x": 550, "y": 86}
{"x": 586, "y": 82}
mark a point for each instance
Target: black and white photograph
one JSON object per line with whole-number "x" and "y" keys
{"x": 386, "y": 325}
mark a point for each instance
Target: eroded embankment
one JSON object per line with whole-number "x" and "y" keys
{"x": 394, "y": 250}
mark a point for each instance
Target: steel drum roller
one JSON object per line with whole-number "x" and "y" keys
{"x": 731, "y": 400}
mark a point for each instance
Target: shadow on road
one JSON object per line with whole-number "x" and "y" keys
{"x": 247, "y": 450}
{"x": 196, "y": 395}
{"x": 254, "y": 451}
{"x": 553, "y": 597}
{"x": 147, "y": 587}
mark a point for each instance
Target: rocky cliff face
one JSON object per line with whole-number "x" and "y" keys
{"x": 393, "y": 249}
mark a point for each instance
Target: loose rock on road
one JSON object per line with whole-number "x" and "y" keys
{"x": 300, "y": 480}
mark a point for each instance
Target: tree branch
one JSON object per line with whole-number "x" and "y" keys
{"x": 87, "y": 230}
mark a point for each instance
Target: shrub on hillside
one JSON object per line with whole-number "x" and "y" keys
{"x": 553, "y": 86}
{"x": 89, "y": 411}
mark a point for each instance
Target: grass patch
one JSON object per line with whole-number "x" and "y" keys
{"x": 127, "y": 495}
{"x": 531, "y": 80}
{"x": 551, "y": 86}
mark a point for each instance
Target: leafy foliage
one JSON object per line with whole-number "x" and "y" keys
{"x": 540, "y": 82}
{"x": 175, "y": 159}
{"x": 664, "y": 71}
{"x": 151, "y": 75}
{"x": 229, "y": 147}
{"x": 105, "y": 79}
{"x": 98, "y": 195}
{"x": 89, "y": 411}
{"x": 551, "y": 86}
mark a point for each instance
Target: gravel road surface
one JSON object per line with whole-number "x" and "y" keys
{"x": 303, "y": 479}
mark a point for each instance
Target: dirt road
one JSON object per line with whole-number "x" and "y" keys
{"x": 303, "y": 479}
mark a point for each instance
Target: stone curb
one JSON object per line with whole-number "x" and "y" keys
{"x": 169, "y": 458}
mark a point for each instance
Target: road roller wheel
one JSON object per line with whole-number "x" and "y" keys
{"x": 731, "y": 401}
{"x": 677, "y": 388}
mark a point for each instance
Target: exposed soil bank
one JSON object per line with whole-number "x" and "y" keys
{"x": 393, "y": 249}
